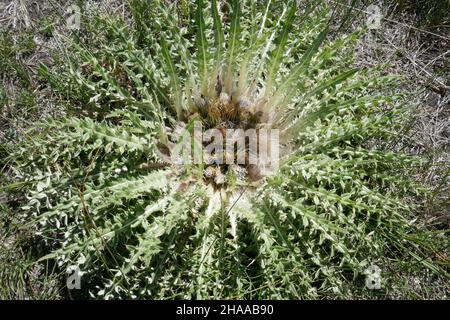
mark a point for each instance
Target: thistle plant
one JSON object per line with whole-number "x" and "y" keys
{"x": 103, "y": 196}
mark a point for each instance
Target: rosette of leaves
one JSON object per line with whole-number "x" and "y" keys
{"x": 102, "y": 198}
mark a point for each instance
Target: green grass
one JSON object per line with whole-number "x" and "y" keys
{"x": 20, "y": 276}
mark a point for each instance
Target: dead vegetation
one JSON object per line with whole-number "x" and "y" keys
{"x": 30, "y": 32}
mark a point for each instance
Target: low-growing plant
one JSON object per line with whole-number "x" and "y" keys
{"x": 104, "y": 199}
